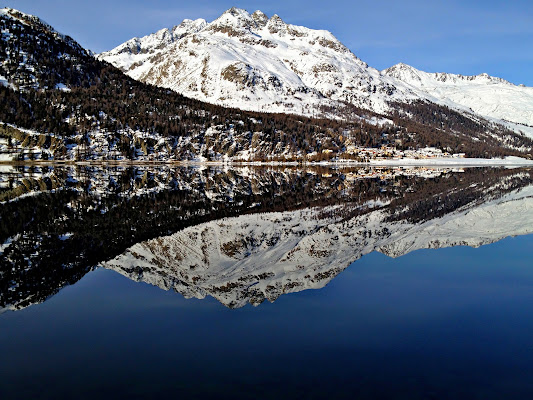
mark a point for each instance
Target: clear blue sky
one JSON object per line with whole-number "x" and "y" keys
{"x": 466, "y": 37}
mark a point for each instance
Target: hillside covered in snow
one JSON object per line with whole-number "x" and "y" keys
{"x": 485, "y": 95}
{"x": 254, "y": 62}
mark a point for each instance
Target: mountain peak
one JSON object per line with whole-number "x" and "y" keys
{"x": 402, "y": 65}
{"x": 162, "y": 33}
{"x": 235, "y": 11}
{"x": 239, "y": 15}
{"x": 233, "y": 22}
{"x": 188, "y": 26}
{"x": 236, "y": 20}
{"x": 403, "y": 72}
{"x": 493, "y": 79}
{"x": 260, "y": 18}
{"x": 276, "y": 24}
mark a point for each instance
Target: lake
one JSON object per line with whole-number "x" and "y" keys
{"x": 243, "y": 282}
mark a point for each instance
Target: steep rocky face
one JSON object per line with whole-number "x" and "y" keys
{"x": 254, "y": 62}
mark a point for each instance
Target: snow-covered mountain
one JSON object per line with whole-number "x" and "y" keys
{"x": 248, "y": 259}
{"x": 253, "y": 62}
{"x": 483, "y": 94}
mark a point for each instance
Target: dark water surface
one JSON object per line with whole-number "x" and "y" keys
{"x": 142, "y": 283}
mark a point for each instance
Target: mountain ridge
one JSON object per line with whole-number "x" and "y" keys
{"x": 441, "y": 76}
{"x": 235, "y": 53}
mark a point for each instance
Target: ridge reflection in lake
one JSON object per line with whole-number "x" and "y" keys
{"x": 240, "y": 235}
{"x": 447, "y": 321}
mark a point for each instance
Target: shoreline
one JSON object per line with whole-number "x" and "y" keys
{"x": 432, "y": 162}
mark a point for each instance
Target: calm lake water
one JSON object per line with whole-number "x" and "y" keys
{"x": 159, "y": 282}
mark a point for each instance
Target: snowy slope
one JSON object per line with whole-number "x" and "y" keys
{"x": 251, "y": 258}
{"x": 483, "y": 94}
{"x": 254, "y": 62}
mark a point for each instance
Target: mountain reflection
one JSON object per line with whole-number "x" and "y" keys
{"x": 241, "y": 235}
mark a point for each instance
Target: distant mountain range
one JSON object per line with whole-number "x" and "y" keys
{"x": 181, "y": 94}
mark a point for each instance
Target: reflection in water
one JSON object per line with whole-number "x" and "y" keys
{"x": 240, "y": 235}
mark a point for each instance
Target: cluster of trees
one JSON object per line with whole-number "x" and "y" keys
{"x": 117, "y": 104}
{"x": 35, "y": 56}
{"x": 441, "y": 127}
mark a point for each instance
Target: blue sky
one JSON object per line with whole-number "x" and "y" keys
{"x": 466, "y": 37}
